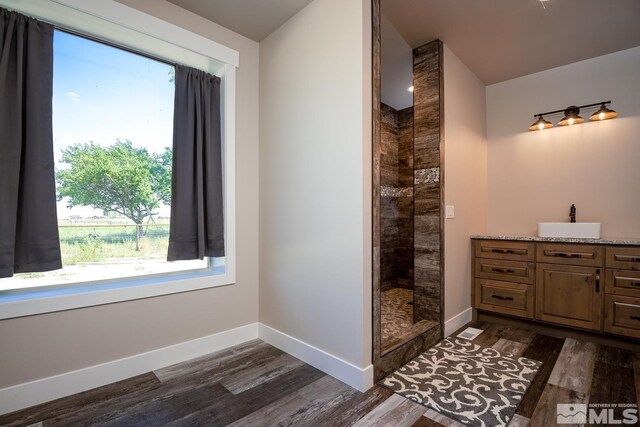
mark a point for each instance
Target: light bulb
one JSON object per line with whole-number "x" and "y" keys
{"x": 601, "y": 116}
{"x": 410, "y": 89}
{"x": 570, "y": 121}
{"x": 540, "y": 126}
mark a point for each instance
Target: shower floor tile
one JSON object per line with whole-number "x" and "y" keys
{"x": 397, "y": 319}
{"x": 397, "y": 312}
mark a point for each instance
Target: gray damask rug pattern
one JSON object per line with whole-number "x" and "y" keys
{"x": 475, "y": 385}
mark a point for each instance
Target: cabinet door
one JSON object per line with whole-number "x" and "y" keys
{"x": 569, "y": 295}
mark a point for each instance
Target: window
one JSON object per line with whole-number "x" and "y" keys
{"x": 113, "y": 133}
{"x": 101, "y": 263}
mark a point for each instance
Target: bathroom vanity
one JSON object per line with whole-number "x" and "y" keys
{"x": 581, "y": 283}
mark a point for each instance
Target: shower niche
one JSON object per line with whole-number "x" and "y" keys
{"x": 407, "y": 195}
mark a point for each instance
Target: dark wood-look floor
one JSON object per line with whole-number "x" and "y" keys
{"x": 255, "y": 384}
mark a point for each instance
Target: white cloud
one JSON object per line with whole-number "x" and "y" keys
{"x": 74, "y": 96}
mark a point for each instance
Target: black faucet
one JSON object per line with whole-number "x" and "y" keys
{"x": 572, "y": 213}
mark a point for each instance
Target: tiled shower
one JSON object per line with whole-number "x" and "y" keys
{"x": 410, "y": 208}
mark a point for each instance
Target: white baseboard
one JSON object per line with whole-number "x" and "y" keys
{"x": 457, "y": 321}
{"x": 358, "y": 378}
{"x": 25, "y": 395}
{"x": 43, "y": 390}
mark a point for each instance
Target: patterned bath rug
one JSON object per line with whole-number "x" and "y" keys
{"x": 475, "y": 385}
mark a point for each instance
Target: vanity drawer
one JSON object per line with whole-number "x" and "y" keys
{"x": 517, "y": 251}
{"x": 622, "y": 315}
{"x": 558, "y": 253}
{"x": 623, "y": 282}
{"x": 515, "y": 299}
{"x": 512, "y": 271}
{"x": 621, "y": 257}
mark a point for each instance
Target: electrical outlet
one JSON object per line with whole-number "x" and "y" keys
{"x": 450, "y": 212}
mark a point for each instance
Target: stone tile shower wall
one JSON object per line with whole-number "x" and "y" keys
{"x": 388, "y": 202}
{"x": 404, "y": 250}
{"x": 396, "y": 178}
{"x": 427, "y": 181}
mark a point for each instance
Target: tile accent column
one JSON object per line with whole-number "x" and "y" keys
{"x": 427, "y": 80}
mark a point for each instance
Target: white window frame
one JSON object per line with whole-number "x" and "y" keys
{"x": 222, "y": 61}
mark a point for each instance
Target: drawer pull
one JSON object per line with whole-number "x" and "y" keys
{"x": 509, "y": 251}
{"x": 503, "y": 270}
{"x": 634, "y": 317}
{"x": 501, "y": 298}
{"x": 636, "y": 284}
{"x": 568, "y": 254}
{"x": 629, "y": 258}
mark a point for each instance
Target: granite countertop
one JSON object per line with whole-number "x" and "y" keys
{"x": 606, "y": 241}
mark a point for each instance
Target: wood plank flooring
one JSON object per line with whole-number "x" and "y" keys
{"x": 255, "y": 384}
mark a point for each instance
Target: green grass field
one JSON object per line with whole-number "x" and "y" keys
{"x": 92, "y": 244}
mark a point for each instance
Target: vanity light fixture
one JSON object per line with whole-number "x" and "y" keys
{"x": 541, "y": 124}
{"x": 603, "y": 113}
{"x": 572, "y": 115}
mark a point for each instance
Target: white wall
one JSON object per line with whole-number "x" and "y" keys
{"x": 40, "y": 346}
{"x": 315, "y": 179}
{"x": 465, "y": 178}
{"x": 536, "y": 176}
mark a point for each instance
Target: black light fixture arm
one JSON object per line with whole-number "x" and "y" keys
{"x": 578, "y": 106}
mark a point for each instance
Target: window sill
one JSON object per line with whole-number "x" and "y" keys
{"x": 43, "y": 300}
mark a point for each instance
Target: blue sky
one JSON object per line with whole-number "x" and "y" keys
{"x": 101, "y": 93}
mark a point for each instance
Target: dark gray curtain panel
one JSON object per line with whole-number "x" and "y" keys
{"x": 197, "y": 224}
{"x": 28, "y": 223}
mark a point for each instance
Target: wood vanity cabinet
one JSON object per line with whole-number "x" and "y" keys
{"x": 622, "y": 283}
{"x": 504, "y": 277}
{"x": 595, "y": 287}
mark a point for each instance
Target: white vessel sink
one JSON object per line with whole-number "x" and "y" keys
{"x": 576, "y": 230}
